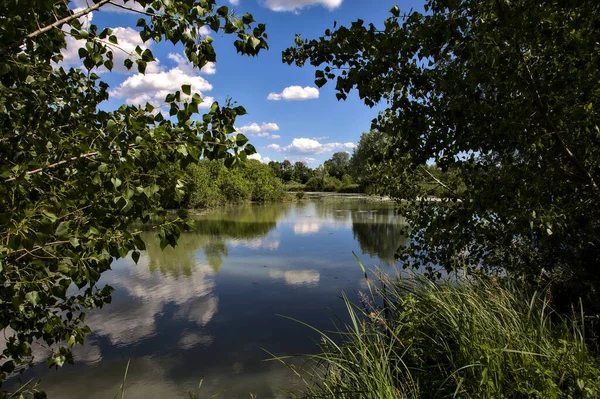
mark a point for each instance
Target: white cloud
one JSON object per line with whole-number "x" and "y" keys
{"x": 269, "y": 126}
{"x": 258, "y": 157}
{"x": 188, "y": 68}
{"x": 297, "y": 277}
{"x": 309, "y": 146}
{"x": 294, "y": 5}
{"x": 190, "y": 339}
{"x": 269, "y": 136}
{"x": 131, "y": 320}
{"x": 255, "y": 156}
{"x": 255, "y": 243}
{"x": 254, "y": 128}
{"x": 303, "y": 228}
{"x": 250, "y": 128}
{"x": 306, "y": 160}
{"x": 295, "y": 93}
{"x": 234, "y": 2}
{"x": 154, "y": 87}
{"x": 204, "y": 30}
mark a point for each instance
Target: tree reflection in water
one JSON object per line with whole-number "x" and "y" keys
{"x": 212, "y": 230}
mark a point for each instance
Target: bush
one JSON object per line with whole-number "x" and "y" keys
{"x": 475, "y": 338}
{"x": 266, "y": 187}
{"x": 202, "y": 185}
{"x": 294, "y": 186}
{"x": 314, "y": 184}
{"x": 331, "y": 184}
{"x": 234, "y": 187}
{"x": 211, "y": 184}
{"x": 347, "y": 180}
{"x": 352, "y": 188}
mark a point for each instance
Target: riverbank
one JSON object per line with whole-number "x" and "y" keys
{"x": 480, "y": 337}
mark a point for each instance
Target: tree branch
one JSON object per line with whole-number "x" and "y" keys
{"x": 439, "y": 181}
{"x": 54, "y": 25}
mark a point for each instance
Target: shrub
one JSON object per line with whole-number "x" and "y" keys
{"x": 475, "y": 338}
{"x": 203, "y": 187}
{"x": 331, "y": 184}
{"x": 234, "y": 187}
{"x": 265, "y": 185}
{"x": 314, "y": 184}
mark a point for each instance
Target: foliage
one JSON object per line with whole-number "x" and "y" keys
{"x": 337, "y": 165}
{"x": 505, "y": 95}
{"x": 302, "y": 172}
{"x": 265, "y": 186}
{"x": 75, "y": 176}
{"x": 471, "y": 338}
{"x": 294, "y": 186}
{"x": 325, "y": 183}
{"x": 211, "y": 184}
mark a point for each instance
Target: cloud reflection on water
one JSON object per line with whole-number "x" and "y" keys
{"x": 297, "y": 277}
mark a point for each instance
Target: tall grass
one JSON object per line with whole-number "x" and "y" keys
{"x": 476, "y": 338}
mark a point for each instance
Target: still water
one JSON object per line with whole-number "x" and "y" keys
{"x": 209, "y": 309}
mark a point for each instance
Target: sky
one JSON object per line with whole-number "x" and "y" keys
{"x": 288, "y": 116}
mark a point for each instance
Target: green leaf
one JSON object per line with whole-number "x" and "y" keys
{"x": 62, "y": 230}
{"x": 33, "y": 297}
{"x": 254, "y": 42}
{"x": 240, "y": 139}
{"x": 135, "y": 255}
{"x": 186, "y": 89}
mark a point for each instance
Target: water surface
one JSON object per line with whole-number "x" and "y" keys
{"x": 208, "y": 309}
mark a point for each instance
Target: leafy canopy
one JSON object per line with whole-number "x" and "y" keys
{"x": 505, "y": 94}
{"x": 75, "y": 177}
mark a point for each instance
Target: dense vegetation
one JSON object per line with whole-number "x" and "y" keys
{"x": 333, "y": 176}
{"x": 502, "y": 97}
{"x": 472, "y": 338}
{"x": 211, "y": 184}
{"x": 76, "y": 177}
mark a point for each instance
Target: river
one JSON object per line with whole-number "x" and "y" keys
{"x": 209, "y": 310}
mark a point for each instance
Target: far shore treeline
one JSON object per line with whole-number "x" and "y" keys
{"x": 210, "y": 183}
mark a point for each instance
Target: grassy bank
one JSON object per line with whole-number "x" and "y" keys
{"x": 475, "y": 338}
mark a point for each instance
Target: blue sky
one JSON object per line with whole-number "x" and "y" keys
{"x": 288, "y": 117}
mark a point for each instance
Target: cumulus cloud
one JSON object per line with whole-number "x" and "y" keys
{"x": 269, "y": 126}
{"x": 131, "y": 320}
{"x": 303, "y": 228}
{"x": 305, "y": 160}
{"x": 295, "y": 93}
{"x": 255, "y": 243}
{"x": 139, "y": 89}
{"x": 188, "y": 68}
{"x": 249, "y": 128}
{"x": 297, "y": 277}
{"x": 268, "y": 135}
{"x": 295, "y": 5}
{"x": 258, "y": 157}
{"x": 190, "y": 339}
{"x": 309, "y": 146}
{"x": 256, "y": 128}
